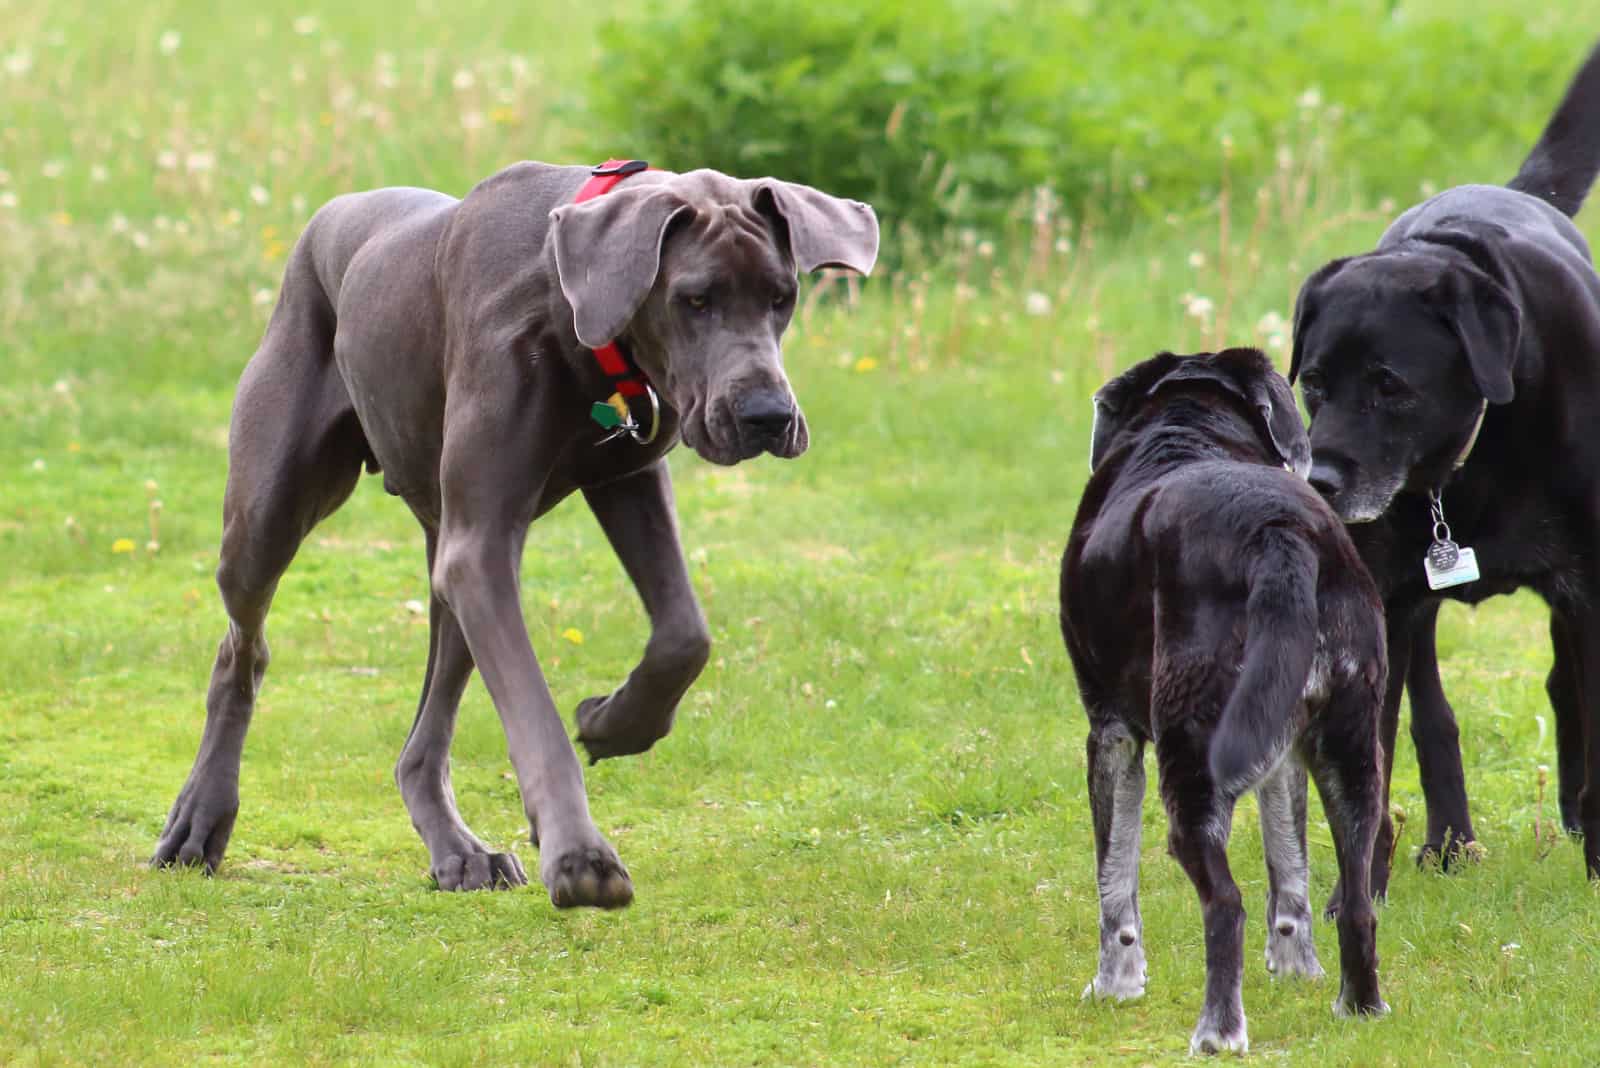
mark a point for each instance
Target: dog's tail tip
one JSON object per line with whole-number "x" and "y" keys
{"x": 1564, "y": 163}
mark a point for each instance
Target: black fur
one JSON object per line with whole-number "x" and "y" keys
{"x": 1480, "y": 302}
{"x": 1212, "y": 602}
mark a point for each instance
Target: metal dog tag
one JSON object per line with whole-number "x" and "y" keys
{"x": 1462, "y": 569}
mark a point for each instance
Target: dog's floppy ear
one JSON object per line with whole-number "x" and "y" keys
{"x": 1480, "y": 311}
{"x": 824, "y": 231}
{"x": 1273, "y": 401}
{"x": 608, "y": 251}
{"x": 1306, "y": 305}
{"x": 1117, "y": 400}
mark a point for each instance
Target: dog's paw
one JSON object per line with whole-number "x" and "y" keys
{"x": 1349, "y": 1004}
{"x": 606, "y": 732}
{"x": 1122, "y": 974}
{"x": 199, "y": 826}
{"x": 586, "y": 876}
{"x": 1211, "y": 1037}
{"x": 1450, "y": 855}
{"x": 478, "y": 871}
{"x": 1291, "y": 950}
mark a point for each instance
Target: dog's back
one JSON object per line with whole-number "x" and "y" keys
{"x": 1203, "y": 576}
{"x": 1226, "y": 591}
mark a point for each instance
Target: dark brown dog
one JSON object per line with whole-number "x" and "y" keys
{"x": 1212, "y": 603}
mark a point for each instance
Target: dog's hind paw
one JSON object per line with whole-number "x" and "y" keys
{"x": 1291, "y": 951}
{"x": 478, "y": 871}
{"x": 1113, "y": 988}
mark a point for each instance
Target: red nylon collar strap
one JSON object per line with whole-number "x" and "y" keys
{"x": 624, "y": 376}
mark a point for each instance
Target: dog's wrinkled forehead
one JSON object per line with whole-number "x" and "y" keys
{"x": 736, "y": 241}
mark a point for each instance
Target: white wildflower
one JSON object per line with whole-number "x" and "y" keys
{"x": 305, "y": 25}
{"x": 259, "y": 195}
{"x": 464, "y": 79}
{"x": 1037, "y": 304}
{"x": 169, "y": 42}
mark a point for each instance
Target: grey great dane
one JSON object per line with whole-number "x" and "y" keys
{"x": 450, "y": 345}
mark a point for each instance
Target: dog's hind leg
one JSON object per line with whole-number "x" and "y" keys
{"x": 1198, "y": 839}
{"x": 1345, "y": 761}
{"x": 1281, "y": 799}
{"x": 637, "y": 516}
{"x": 295, "y": 450}
{"x": 1116, "y": 798}
{"x": 458, "y": 859}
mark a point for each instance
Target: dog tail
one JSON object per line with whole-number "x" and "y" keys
{"x": 1563, "y": 165}
{"x": 1259, "y": 720}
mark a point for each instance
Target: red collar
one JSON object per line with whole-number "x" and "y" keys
{"x": 624, "y": 376}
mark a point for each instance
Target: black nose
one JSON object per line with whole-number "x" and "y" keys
{"x": 1326, "y": 479}
{"x": 764, "y": 413}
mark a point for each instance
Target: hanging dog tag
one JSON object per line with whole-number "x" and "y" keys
{"x": 1462, "y": 569}
{"x": 1446, "y": 563}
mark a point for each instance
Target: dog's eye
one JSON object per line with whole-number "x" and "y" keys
{"x": 697, "y": 301}
{"x": 1388, "y": 383}
{"x": 782, "y": 298}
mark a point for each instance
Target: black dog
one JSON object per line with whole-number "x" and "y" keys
{"x": 1212, "y": 602}
{"x": 1457, "y": 366}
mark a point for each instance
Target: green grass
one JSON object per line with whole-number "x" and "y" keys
{"x": 867, "y": 840}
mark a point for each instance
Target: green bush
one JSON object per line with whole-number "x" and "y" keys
{"x": 940, "y": 113}
{"x": 890, "y": 103}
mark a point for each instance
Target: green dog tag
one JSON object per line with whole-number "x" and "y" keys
{"x": 605, "y": 415}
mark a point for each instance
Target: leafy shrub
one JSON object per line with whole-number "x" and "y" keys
{"x": 940, "y": 112}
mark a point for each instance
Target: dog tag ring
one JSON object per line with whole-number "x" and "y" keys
{"x": 1446, "y": 564}
{"x": 615, "y": 415}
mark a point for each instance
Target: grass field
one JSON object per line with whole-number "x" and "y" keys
{"x": 866, "y": 841}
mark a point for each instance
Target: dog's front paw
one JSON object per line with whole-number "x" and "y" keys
{"x": 1348, "y": 1003}
{"x": 586, "y": 876}
{"x": 605, "y": 730}
{"x": 478, "y": 871}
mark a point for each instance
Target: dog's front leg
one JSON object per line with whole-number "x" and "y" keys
{"x": 1583, "y": 629}
{"x": 476, "y": 575}
{"x": 1438, "y": 744}
{"x": 497, "y": 458}
{"x": 637, "y": 516}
